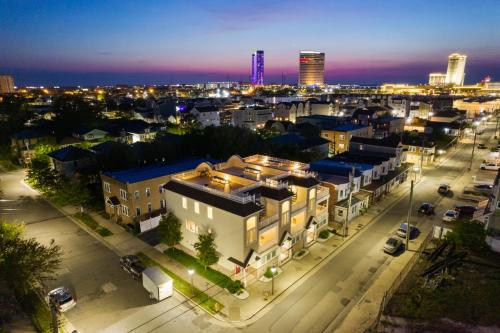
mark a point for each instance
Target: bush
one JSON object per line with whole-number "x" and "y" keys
{"x": 324, "y": 234}
{"x": 235, "y": 286}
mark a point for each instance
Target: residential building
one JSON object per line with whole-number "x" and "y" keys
{"x": 391, "y": 145}
{"x": 23, "y": 143}
{"x": 6, "y": 84}
{"x": 90, "y": 135}
{"x": 260, "y": 209}
{"x": 320, "y": 108}
{"x": 456, "y": 69}
{"x": 206, "y": 115}
{"x": 400, "y": 106}
{"x": 316, "y": 145}
{"x": 258, "y": 68}
{"x": 387, "y": 125}
{"x": 311, "y": 68}
{"x": 339, "y": 136}
{"x": 135, "y": 196}
{"x": 419, "y": 150}
{"x": 252, "y": 117}
{"x": 69, "y": 160}
{"x": 290, "y": 111}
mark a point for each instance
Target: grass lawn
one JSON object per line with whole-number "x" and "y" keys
{"x": 92, "y": 224}
{"x": 469, "y": 294}
{"x": 189, "y": 261}
{"x": 184, "y": 287}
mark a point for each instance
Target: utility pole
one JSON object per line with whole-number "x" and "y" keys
{"x": 421, "y": 159}
{"x": 408, "y": 218}
{"x": 473, "y": 147}
{"x": 349, "y": 200}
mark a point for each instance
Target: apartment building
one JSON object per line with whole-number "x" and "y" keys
{"x": 135, "y": 196}
{"x": 252, "y": 117}
{"x": 261, "y": 210}
{"x": 388, "y": 145}
{"x": 340, "y": 136}
{"x": 419, "y": 150}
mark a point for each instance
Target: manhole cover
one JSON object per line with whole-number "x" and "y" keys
{"x": 108, "y": 287}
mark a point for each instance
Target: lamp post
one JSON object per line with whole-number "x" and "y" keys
{"x": 273, "y": 271}
{"x": 191, "y": 274}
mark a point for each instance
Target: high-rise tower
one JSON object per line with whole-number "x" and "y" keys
{"x": 456, "y": 69}
{"x": 312, "y": 68}
{"x": 258, "y": 68}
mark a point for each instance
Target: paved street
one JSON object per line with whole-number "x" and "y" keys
{"x": 106, "y": 295}
{"x": 109, "y": 300}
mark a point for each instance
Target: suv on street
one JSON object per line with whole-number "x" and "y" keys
{"x": 450, "y": 215}
{"x": 426, "y": 209}
{"x": 132, "y": 265}
{"x": 489, "y": 166}
{"x": 444, "y": 189}
{"x": 466, "y": 210}
{"x": 401, "y": 232}
{"x": 392, "y": 245}
{"x": 61, "y": 298}
{"x": 481, "y": 146}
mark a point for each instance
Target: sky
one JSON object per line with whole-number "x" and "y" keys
{"x": 103, "y": 42}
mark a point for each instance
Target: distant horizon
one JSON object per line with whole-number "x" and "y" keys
{"x": 70, "y": 43}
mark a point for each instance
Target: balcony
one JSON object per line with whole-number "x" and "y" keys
{"x": 147, "y": 216}
{"x": 267, "y": 220}
{"x": 322, "y": 192}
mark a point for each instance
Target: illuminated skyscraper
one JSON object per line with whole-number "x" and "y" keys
{"x": 456, "y": 69}
{"x": 312, "y": 68}
{"x": 437, "y": 79}
{"x": 258, "y": 68}
{"x": 6, "y": 84}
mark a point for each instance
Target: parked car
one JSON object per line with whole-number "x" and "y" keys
{"x": 484, "y": 187}
{"x": 401, "y": 232}
{"x": 444, "y": 189}
{"x": 489, "y": 166}
{"x": 61, "y": 298}
{"x": 426, "y": 208}
{"x": 481, "y": 146}
{"x": 450, "y": 215}
{"x": 132, "y": 265}
{"x": 392, "y": 245}
{"x": 466, "y": 210}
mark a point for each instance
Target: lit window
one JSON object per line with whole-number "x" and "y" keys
{"x": 123, "y": 194}
{"x": 251, "y": 229}
{"x": 125, "y": 210}
{"x": 107, "y": 187}
{"x": 148, "y": 192}
{"x": 191, "y": 226}
{"x": 184, "y": 203}
{"x": 210, "y": 212}
{"x": 197, "y": 207}
{"x": 136, "y": 195}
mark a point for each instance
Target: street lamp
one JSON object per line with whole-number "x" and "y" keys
{"x": 273, "y": 271}
{"x": 191, "y": 274}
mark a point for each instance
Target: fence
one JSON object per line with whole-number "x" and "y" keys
{"x": 374, "y": 327}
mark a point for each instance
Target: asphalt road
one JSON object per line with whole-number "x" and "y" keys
{"x": 109, "y": 300}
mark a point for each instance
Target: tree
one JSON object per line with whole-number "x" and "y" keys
{"x": 206, "y": 250}
{"x": 25, "y": 263}
{"x": 170, "y": 230}
{"x": 469, "y": 235}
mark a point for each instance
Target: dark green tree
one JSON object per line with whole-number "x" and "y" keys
{"x": 470, "y": 235}
{"x": 25, "y": 263}
{"x": 206, "y": 250}
{"x": 169, "y": 230}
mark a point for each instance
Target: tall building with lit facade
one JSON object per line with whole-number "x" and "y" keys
{"x": 437, "y": 79}
{"x": 6, "y": 84}
{"x": 312, "y": 68}
{"x": 456, "y": 69}
{"x": 258, "y": 68}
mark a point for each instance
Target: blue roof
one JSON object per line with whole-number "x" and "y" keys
{"x": 338, "y": 167}
{"x": 70, "y": 153}
{"x": 348, "y": 127}
{"x": 154, "y": 171}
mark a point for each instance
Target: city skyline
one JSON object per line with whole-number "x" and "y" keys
{"x": 94, "y": 43}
